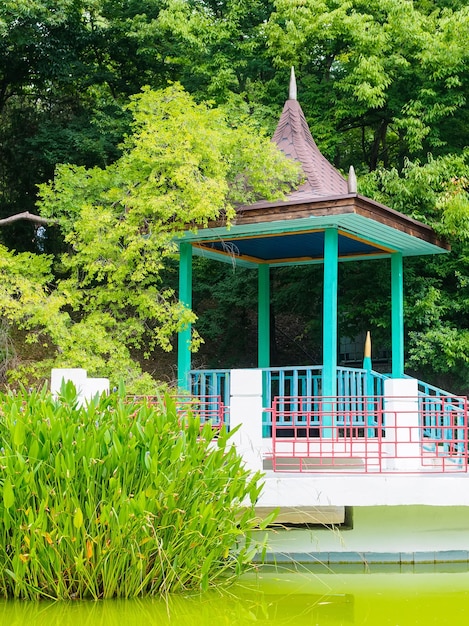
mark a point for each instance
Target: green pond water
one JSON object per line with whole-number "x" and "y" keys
{"x": 298, "y": 598}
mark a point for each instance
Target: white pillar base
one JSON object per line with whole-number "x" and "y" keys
{"x": 87, "y": 388}
{"x": 246, "y": 410}
{"x": 401, "y": 418}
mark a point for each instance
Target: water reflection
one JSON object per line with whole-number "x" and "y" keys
{"x": 277, "y": 599}
{"x": 207, "y": 610}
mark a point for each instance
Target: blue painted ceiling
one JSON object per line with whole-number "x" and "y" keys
{"x": 282, "y": 248}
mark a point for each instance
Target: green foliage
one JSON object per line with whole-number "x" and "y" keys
{"x": 55, "y": 103}
{"x": 182, "y": 166}
{"x": 454, "y": 205}
{"x": 382, "y": 84}
{"x": 435, "y": 192}
{"x": 437, "y": 317}
{"x": 437, "y": 305}
{"x": 222, "y": 292}
{"x": 118, "y": 499}
{"x": 441, "y": 350}
{"x": 26, "y": 300}
{"x": 389, "y": 75}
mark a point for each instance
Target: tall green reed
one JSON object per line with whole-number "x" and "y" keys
{"x": 117, "y": 499}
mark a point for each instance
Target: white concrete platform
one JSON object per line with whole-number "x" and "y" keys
{"x": 300, "y": 490}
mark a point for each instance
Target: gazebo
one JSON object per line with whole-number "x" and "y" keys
{"x": 325, "y": 221}
{"x": 330, "y": 439}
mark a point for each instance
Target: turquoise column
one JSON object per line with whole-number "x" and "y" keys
{"x": 263, "y": 331}
{"x": 397, "y": 315}
{"x": 263, "y": 338}
{"x": 329, "y": 349}
{"x": 185, "y": 296}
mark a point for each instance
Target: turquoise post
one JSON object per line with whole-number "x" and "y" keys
{"x": 263, "y": 355}
{"x": 329, "y": 371}
{"x": 369, "y": 391}
{"x": 185, "y": 296}
{"x": 329, "y": 366}
{"x": 397, "y": 315}
{"x": 263, "y": 336}
{"x": 367, "y": 365}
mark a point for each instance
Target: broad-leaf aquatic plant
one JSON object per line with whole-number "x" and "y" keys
{"x": 118, "y": 499}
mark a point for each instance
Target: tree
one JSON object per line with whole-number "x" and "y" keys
{"x": 437, "y": 304}
{"x": 182, "y": 166}
{"x": 68, "y": 68}
{"x": 382, "y": 80}
{"x": 55, "y": 103}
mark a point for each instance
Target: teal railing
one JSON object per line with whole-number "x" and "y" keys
{"x": 357, "y": 390}
{"x": 360, "y": 396}
{"x": 443, "y": 420}
{"x": 210, "y": 383}
{"x": 355, "y": 387}
{"x": 214, "y": 387}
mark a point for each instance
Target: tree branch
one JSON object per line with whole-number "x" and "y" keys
{"x": 26, "y": 215}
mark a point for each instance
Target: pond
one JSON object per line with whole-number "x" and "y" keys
{"x": 297, "y": 598}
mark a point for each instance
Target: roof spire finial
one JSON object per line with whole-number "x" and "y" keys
{"x": 352, "y": 181}
{"x": 293, "y": 92}
{"x": 367, "y": 365}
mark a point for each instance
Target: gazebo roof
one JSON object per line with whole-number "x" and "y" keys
{"x": 294, "y": 139}
{"x": 291, "y": 231}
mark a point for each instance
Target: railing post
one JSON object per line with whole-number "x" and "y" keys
{"x": 402, "y": 442}
{"x": 397, "y": 315}
{"x": 246, "y": 410}
{"x": 368, "y": 387}
{"x": 263, "y": 330}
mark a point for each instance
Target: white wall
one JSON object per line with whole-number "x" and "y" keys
{"x": 87, "y": 388}
{"x": 384, "y": 530}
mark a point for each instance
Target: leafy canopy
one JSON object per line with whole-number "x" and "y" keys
{"x": 182, "y": 166}
{"x": 437, "y": 311}
{"x": 392, "y": 74}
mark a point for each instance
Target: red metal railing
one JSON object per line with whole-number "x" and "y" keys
{"x": 360, "y": 434}
{"x": 205, "y": 408}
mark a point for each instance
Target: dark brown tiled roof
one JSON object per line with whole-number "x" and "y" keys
{"x": 326, "y": 199}
{"x": 294, "y": 138}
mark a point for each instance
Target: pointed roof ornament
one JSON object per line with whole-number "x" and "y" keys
{"x": 367, "y": 365}
{"x": 293, "y": 93}
{"x": 352, "y": 181}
